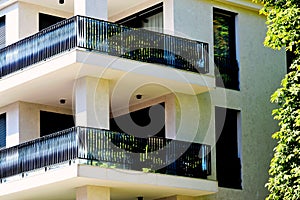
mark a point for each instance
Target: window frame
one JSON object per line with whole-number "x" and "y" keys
{"x": 227, "y": 69}
{"x": 141, "y": 15}
{"x": 55, "y": 19}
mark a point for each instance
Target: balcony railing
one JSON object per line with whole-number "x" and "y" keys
{"x": 112, "y": 39}
{"x": 107, "y": 149}
{"x": 227, "y": 73}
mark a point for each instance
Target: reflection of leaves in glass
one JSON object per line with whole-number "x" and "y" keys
{"x": 224, "y": 50}
{"x": 221, "y": 35}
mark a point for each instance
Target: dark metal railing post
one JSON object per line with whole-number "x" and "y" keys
{"x": 38, "y": 47}
{"x": 113, "y": 39}
{"x": 98, "y": 147}
{"x": 77, "y": 131}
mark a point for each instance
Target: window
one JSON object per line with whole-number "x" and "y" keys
{"x": 225, "y": 49}
{"x": 290, "y": 57}
{"x": 149, "y": 18}
{"x": 53, "y": 122}
{"x": 228, "y": 148}
{"x": 140, "y": 118}
{"x": 2, "y": 130}
{"x": 2, "y": 32}
{"x": 48, "y": 20}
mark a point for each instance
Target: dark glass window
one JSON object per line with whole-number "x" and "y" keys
{"x": 48, "y": 20}
{"x": 2, "y": 32}
{"x": 148, "y": 18}
{"x": 225, "y": 49}
{"x": 227, "y": 149}
{"x": 140, "y": 118}
{"x": 52, "y": 122}
{"x": 2, "y": 130}
{"x": 290, "y": 57}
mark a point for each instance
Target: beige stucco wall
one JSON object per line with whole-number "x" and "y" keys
{"x": 28, "y": 17}
{"x": 22, "y": 19}
{"x": 91, "y": 8}
{"x": 92, "y": 193}
{"x": 30, "y": 118}
{"x": 11, "y": 14}
{"x": 92, "y": 102}
{"x": 261, "y": 70}
{"x": 195, "y": 121}
{"x": 197, "y": 23}
{"x": 23, "y": 120}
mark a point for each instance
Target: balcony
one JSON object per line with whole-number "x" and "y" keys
{"x": 107, "y": 149}
{"x": 108, "y": 38}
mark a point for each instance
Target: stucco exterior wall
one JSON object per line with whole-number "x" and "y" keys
{"x": 11, "y": 23}
{"x": 92, "y": 102}
{"x": 23, "y": 120}
{"x": 22, "y": 19}
{"x": 261, "y": 70}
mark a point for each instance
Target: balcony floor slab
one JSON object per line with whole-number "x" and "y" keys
{"x": 61, "y": 183}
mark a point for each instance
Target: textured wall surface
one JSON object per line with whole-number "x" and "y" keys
{"x": 261, "y": 70}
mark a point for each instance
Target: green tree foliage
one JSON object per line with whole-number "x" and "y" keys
{"x": 283, "y": 20}
{"x": 284, "y": 182}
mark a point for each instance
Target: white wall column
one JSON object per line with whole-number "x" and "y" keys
{"x": 187, "y": 117}
{"x": 29, "y": 122}
{"x": 12, "y": 125}
{"x": 22, "y": 124}
{"x": 92, "y": 102}
{"x": 170, "y": 115}
{"x": 28, "y": 20}
{"x": 168, "y": 16}
{"x": 92, "y": 193}
{"x": 20, "y": 21}
{"x": 91, "y": 8}
{"x": 12, "y": 24}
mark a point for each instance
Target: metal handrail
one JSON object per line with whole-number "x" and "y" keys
{"x": 105, "y": 37}
{"x": 99, "y": 147}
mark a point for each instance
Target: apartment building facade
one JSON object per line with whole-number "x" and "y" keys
{"x": 147, "y": 99}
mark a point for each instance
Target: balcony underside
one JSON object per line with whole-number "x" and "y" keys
{"x": 59, "y": 74}
{"x": 124, "y": 184}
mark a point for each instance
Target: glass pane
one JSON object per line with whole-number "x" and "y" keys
{"x": 221, "y": 35}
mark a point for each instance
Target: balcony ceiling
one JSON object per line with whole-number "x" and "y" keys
{"x": 67, "y": 6}
{"x": 47, "y": 82}
{"x": 114, "y": 6}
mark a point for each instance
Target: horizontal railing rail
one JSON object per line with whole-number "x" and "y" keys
{"x": 49, "y": 42}
{"x": 142, "y": 45}
{"x": 106, "y": 37}
{"x": 39, "y": 153}
{"x": 106, "y": 148}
